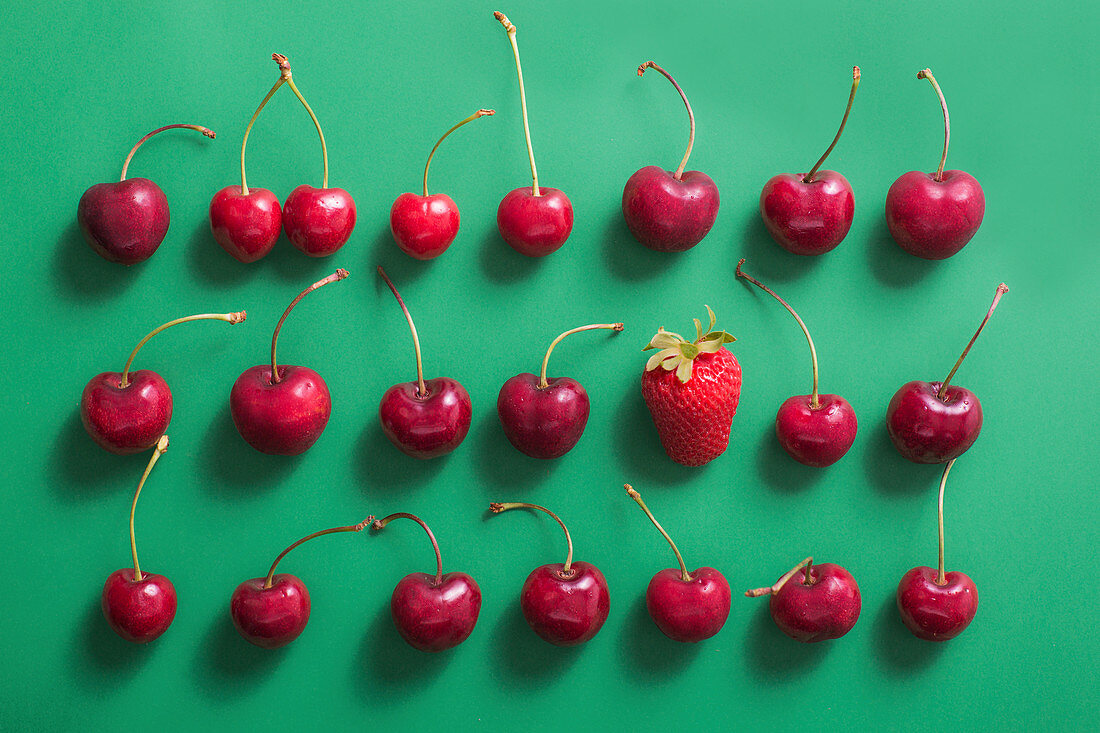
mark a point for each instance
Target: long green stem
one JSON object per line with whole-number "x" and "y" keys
{"x": 809, "y": 177}
{"x": 498, "y": 507}
{"x": 158, "y": 451}
{"x": 471, "y": 118}
{"x": 511, "y": 30}
{"x": 543, "y": 383}
{"x": 1001, "y": 290}
{"x": 927, "y": 74}
{"x": 198, "y": 128}
{"x": 773, "y": 589}
{"x": 381, "y": 524}
{"x": 284, "y": 67}
{"x": 684, "y": 574}
{"x": 421, "y": 388}
{"x": 231, "y": 318}
{"x": 340, "y": 274}
{"x": 691, "y": 115}
{"x": 350, "y": 528}
{"x": 247, "y": 130}
{"x": 941, "y": 577}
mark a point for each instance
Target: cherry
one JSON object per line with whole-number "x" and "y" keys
{"x": 666, "y": 211}
{"x": 565, "y": 604}
{"x": 282, "y": 410}
{"x": 425, "y": 418}
{"x": 424, "y": 226}
{"x": 318, "y": 221}
{"x": 824, "y": 605}
{"x": 934, "y": 605}
{"x": 815, "y": 430}
{"x": 545, "y": 418}
{"x": 686, "y": 607}
{"x": 534, "y": 221}
{"x": 273, "y": 611}
{"x": 934, "y": 215}
{"x": 933, "y": 422}
{"x": 139, "y": 606}
{"x": 810, "y": 214}
{"x": 433, "y": 612}
{"x": 128, "y": 412}
{"x": 125, "y": 222}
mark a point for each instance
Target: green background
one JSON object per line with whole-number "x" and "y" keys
{"x": 768, "y": 82}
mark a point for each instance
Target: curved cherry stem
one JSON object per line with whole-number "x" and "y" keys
{"x": 927, "y": 74}
{"x": 691, "y": 115}
{"x": 197, "y": 128}
{"x": 284, "y": 67}
{"x": 773, "y": 589}
{"x": 511, "y": 30}
{"x": 421, "y": 388}
{"x": 814, "y": 402}
{"x": 498, "y": 507}
{"x": 684, "y": 574}
{"x": 941, "y": 577}
{"x": 471, "y": 118}
{"x": 1001, "y": 290}
{"x": 231, "y": 318}
{"x": 158, "y": 451}
{"x": 247, "y": 130}
{"x": 350, "y": 528}
{"x": 543, "y": 384}
{"x": 381, "y": 523}
{"x": 340, "y": 274}
{"x": 809, "y": 177}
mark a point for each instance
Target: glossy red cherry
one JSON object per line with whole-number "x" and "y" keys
{"x": 813, "y": 603}
{"x": 687, "y": 607}
{"x": 282, "y": 410}
{"x": 125, "y": 222}
{"x": 545, "y": 418}
{"x": 667, "y": 211}
{"x": 934, "y": 215}
{"x": 566, "y": 603}
{"x": 934, "y": 422}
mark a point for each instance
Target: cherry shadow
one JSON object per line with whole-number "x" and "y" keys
{"x": 780, "y": 472}
{"x": 292, "y": 266}
{"x": 890, "y": 264}
{"x": 888, "y": 472}
{"x": 899, "y": 652}
{"x": 648, "y": 653}
{"x": 399, "y": 266}
{"x": 499, "y": 464}
{"x": 773, "y": 656}
{"x": 211, "y": 263}
{"x": 109, "y": 660}
{"x": 769, "y": 261}
{"x": 386, "y": 660}
{"x": 629, "y": 260}
{"x": 83, "y": 275}
{"x": 233, "y": 468}
{"x": 502, "y": 264}
{"x": 386, "y": 470}
{"x": 638, "y": 450}
{"x": 80, "y": 470}
{"x": 524, "y": 658}
{"x": 228, "y": 666}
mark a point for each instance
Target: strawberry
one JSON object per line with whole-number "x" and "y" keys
{"x": 692, "y": 389}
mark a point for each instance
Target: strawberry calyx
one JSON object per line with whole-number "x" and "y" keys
{"x": 678, "y": 353}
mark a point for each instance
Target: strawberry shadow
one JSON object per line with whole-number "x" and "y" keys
{"x": 526, "y": 659}
{"x": 646, "y": 652}
{"x": 899, "y": 652}
{"x": 386, "y": 660}
{"x": 638, "y": 450}
{"x": 228, "y": 666}
{"x": 774, "y": 657}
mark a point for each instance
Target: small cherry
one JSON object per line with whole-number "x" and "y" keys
{"x": 429, "y": 417}
{"x": 823, "y": 604}
{"x": 810, "y": 214}
{"x": 545, "y": 418}
{"x": 424, "y": 226}
{"x": 933, "y": 422}
{"x": 139, "y": 606}
{"x": 273, "y": 611}
{"x": 815, "y": 430}
{"x": 934, "y": 215}
{"x": 318, "y": 221}
{"x": 687, "y": 607}
{"x": 433, "y": 612}
{"x": 127, "y": 412}
{"x": 666, "y": 211}
{"x": 282, "y": 410}
{"x": 937, "y": 606}
{"x": 565, "y": 604}
{"x": 125, "y": 222}
{"x": 534, "y": 221}
{"x": 246, "y": 221}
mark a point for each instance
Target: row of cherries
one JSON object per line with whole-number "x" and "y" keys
{"x": 931, "y": 215}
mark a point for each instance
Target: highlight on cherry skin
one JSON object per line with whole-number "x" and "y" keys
{"x": 545, "y": 417}
{"x": 139, "y": 606}
{"x": 282, "y": 409}
{"x": 125, "y": 221}
{"x": 273, "y": 611}
{"x": 424, "y": 226}
{"x": 670, "y": 211}
{"x": 812, "y": 603}
{"x": 567, "y": 603}
{"x": 811, "y": 213}
{"x": 534, "y": 220}
{"x": 126, "y": 412}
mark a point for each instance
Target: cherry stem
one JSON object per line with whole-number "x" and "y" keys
{"x": 340, "y": 274}
{"x": 511, "y": 30}
{"x": 381, "y": 523}
{"x": 815, "y": 403}
{"x": 691, "y": 115}
{"x": 809, "y": 177}
{"x": 498, "y": 507}
{"x": 471, "y": 118}
{"x": 421, "y": 389}
{"x": 543, "y": 384}
{"x": 941, "y": 577}
{"x": 284, "y": 67}
{"x": 1001, "y": 290}
{"x": 772, "y": 590}
{"x": 684, "y": 574}
{"x": 158, "y": 451}
{"x": 247, "y": 130}
{"x": 350, "y": 528}
{"x": 231, "y": 318}
{"x": 197, "y": 128}
{"x": 927, "y": 74}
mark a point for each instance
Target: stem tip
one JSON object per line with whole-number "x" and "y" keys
{"x": 508, "y": 27}
{"x": 855, "y": 73}
{"x": 283, "y": 62}
{"x": 496, "y": 507}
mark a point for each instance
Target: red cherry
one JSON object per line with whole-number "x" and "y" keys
{"x": 246, "y": 225}
{"x": 318, "y": 221}
{"x": 812, "y": 603}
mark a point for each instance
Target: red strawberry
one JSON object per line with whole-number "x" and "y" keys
{"x": 691, "y": 389}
